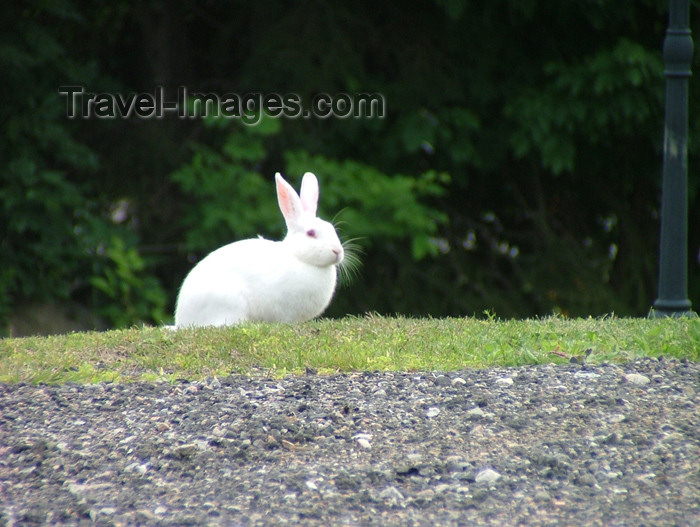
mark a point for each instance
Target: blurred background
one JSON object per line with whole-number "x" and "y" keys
{"x": 517, "y": 169}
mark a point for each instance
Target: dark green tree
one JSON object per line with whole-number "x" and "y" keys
{"x": 517, "y": 168}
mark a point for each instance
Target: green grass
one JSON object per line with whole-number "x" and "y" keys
{"x": 370, "y": 343}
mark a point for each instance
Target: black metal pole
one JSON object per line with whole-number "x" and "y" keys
{"x": 673, "y": 255}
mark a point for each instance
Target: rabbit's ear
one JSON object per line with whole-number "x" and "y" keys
{"x": 309, "y": 193}
{"x": 289, "y": 201}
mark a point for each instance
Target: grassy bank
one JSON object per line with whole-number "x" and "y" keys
{"x": 370, "y": 343}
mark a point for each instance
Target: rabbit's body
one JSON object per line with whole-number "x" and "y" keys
{"x": 242, "y": 281}
{"x": 261, "y": 280}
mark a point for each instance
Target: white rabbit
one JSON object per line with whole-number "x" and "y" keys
{"x": 292, "y": 280}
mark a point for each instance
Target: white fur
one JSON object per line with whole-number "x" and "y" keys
{"x": 292, "y": 280}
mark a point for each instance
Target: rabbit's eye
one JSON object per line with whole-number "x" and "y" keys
{"x": 311, "y": 233}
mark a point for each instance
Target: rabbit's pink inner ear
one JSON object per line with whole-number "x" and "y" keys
{"x": 309, "y": 193}
{"x": 289, "y": 202}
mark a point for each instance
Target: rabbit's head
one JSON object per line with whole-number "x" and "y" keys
{"x": 310, "y": 239}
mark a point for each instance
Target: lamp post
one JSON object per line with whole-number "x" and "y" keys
{"x": 673, "y": 255}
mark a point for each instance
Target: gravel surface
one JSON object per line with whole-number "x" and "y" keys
{"x": 543, "y": 445}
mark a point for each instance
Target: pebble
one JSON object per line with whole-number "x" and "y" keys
{"x": 442, "y": 380}
{"x": 137, "y": 467}
{"x": 432, "y": 412}
{"x": 357, "y": 449}
{"x": 441, "y": 488}
{"x": 487, "y": 476}
{"x": 475, "y": 413}
{"x": 542, "y": 495}
{"x": 364, "y": 443}
{"x": 185, "y": 451}
{"x": 587, "y": 479}
{"x": 616, "y": 418}
{"x": 586, "y": 375}
{"x": 425, "y": 495}
{"x": 637, "y": 378}
{"x": 391, "y": 494}
{"x": 456, "y": 464}
{"x": 363, "y": 440}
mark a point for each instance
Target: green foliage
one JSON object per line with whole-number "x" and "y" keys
{"x": 230, "y": 198}
{"x": 374, "y": 206}
{"x": 50, "y": 218}
{"x": 40, "y": 206}
{"x": 233, "y": 200}
{"x": 594, "y": 100}
{"x": 516, "y": 169}
{"x": 131, "y": 295}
